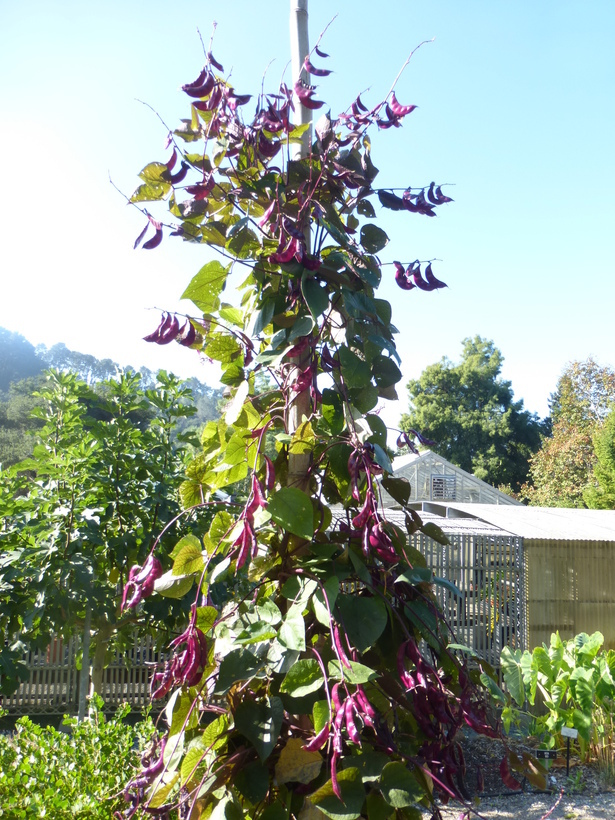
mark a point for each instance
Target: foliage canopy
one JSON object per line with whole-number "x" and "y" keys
{"x": 298, "y": 686}
{"x": 89, "y": 504}
{"x": 561, "y": 471}
{"x": 471, "y": 415}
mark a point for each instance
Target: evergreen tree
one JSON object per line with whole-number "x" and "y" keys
{"x": 601, "y": 496}
{"x": 471, "y": 415}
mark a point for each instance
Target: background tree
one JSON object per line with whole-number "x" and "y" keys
{"x": 18, "y": 359}
{"x": 102, "y": 483}
{"x": 601, "y": 494}
{"x": 562, "y": 470}
{"x": 21, "y": 376}
{"x": 472, "y": 416}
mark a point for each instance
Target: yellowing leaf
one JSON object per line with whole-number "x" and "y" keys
{"x": 296, "y": 765}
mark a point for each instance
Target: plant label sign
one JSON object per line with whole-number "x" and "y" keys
{"x": 546, "y": 754}
{"x": 568, "y": 732}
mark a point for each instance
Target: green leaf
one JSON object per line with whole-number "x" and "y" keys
{"x": 172, "y": 586}
{"x": 399, "y": 787}
{"x": 365, "y": 208}
{"x": 252, "y": 781}
{"x": 378, "y": 428}
{"x": 331, "y": 589}
{"x": 333, "y": 410}
{"x": 292, "y": 631}
{"x": 424, "y": 619}
{"x": 369, "y": 764}
{"x": 187, "y": 539}
{"x": 353, "y": 796}
{"x": 373, "y": 238}
{"x": 364, "y": 399}
{"x": 193, "y": 758}
{"x": 316, "y": 297}
{"x": 220, "y": 526}
{"x": 377, "y": 807}
{"x": 243, "y": 244}
{"x": 189, "y": 560}
{"x": 493, "y": 688}
{"x": 358, "y": 672}
{"x": 356, "y": 372}
{"x": 232, "y": 315}
{"x": 449, "y": 585}
{"x": 150, "y": 192}
{"x": 432, "y": 530}
{"x": 154, "y": 172}
{"x": 260, "y": 722}
{"x": 416, "y": 576}
{"x": 582, "y": 721}
{"x": 364, "y": 619}
{"x": 512, "y": 674}
{"x": 236, "y": 448}
{"x": 215, "y": 734}
{"x": 398, "y": 488}
{"x": 383, "y": 460}
{"x": 303, "y": 678}
{"x": 274, "y": 811}
{"x": 206, "y": 286}
{"x": 320, "y": 714}
{"x": 385, "y": 372}
{"x": 303, "y": 439}
{"x": 256, "y": 632}
{"x": 292, "y": 510}
{"x": 300, "y": 327}
{"x": 263, "y": 317}
{"x": 238, "y": 665}
{"x": 206, "y": 616}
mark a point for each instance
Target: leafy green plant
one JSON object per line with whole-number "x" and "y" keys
{"x": 314, "y": 672}
{"x": 76, "y": 773}
{"x": 572, "y": 684}
{"x": 101, "y": 484}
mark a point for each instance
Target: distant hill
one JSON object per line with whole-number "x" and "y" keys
{"x": 21, "y": 372}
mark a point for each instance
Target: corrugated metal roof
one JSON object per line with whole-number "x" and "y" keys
{"x": 451, "y": 526}
{"x": 551, "y": 523}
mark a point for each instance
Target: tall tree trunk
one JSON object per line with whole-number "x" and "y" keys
{"x": 299, "y": 406}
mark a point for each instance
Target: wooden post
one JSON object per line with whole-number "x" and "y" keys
{"x": 299, "y": 406}
{"x": 84, "y": 680}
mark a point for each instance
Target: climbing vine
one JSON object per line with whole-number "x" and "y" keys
{"x": 314, "y": 674}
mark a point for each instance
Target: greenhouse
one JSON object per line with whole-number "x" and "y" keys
{"x": 433, "y": 478}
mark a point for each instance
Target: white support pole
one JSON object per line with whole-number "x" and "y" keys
{"x": 299, "y": 464}
{"x": 299, "y": 49}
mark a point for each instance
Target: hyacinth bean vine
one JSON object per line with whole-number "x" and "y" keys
{"x": 314, "y": 675}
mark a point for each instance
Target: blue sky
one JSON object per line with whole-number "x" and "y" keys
{"x": 516, "y": 109}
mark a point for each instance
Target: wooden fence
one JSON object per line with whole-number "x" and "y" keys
{"x": 488, "y": 613}
{"x": 52, "y": 687}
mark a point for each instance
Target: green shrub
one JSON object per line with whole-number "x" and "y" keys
{"x": 576, "y": 683}
{"x": 79, "y": 773}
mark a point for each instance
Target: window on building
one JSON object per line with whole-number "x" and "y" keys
{"x": 443, "y": 487}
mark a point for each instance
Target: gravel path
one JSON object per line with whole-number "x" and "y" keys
{"x": 584, "y": 794}
{"x": 537, "y": 807}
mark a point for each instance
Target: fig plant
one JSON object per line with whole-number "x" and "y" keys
{"x": 314, "y": 675}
